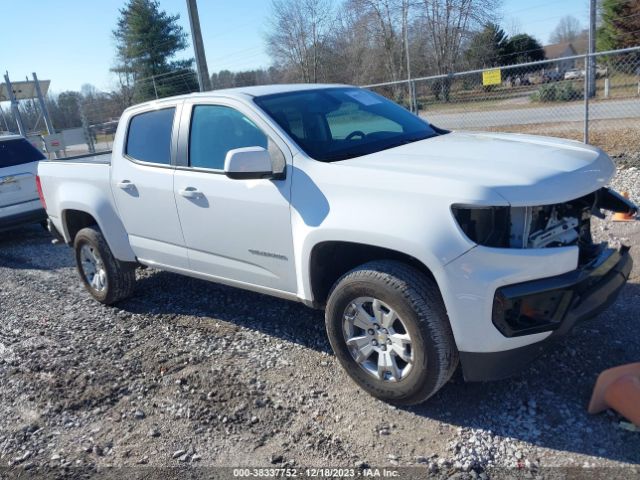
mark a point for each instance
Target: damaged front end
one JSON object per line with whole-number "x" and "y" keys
{"x": 555, "y": 302}
{"x": 557, "y": 225}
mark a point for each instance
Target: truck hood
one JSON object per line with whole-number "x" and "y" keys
{"x": 525, "y": 170}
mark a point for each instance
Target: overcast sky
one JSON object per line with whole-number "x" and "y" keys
{"x": 69, "y": 41}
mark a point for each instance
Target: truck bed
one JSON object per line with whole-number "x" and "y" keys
{"x": 95, "y": 158}
{"x": 65, "y": 180}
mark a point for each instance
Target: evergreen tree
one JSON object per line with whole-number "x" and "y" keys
{"x": 147, "y": 40}
{"x": 620, "y": 26}
{"x": 522, "y": 48}
{"x": 488, "y": 47}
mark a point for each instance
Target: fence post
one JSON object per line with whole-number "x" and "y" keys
{"x": 414, "y": 98}
{"x": 586, "y": 98}
{"x": 87, "y": 130}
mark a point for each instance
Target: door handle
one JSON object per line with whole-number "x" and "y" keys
{"x": 125, "y": 184}
{"x": 189, "y": 192}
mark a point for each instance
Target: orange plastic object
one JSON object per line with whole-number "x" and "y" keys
{"x": 618, "y": 388}
{"x": 623, "y": 217}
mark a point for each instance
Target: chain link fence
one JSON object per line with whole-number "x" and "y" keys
{"x": 593, "y": 98}
{"x": 100, "y": 111}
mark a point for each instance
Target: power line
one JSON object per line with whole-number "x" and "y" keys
{"x": 554, "y": 2}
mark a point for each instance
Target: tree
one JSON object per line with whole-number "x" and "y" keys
{"x": 298, "y": 32}
{"x": 620, "y": 27}
{"x": 523, "y": 48}
{"x": 226, "y": 79}
{"x": 487, "y": 47}
{"x": 147, "y": 38}
{"x": 449, "y": 24}
{"x": 567, "y": 30}
{"x": 68, "y": 110}
{"x": 355, "y": 57}
{"x": 384, "y": 25}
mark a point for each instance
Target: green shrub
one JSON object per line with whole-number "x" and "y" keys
{"x": 556, "y": 92}
{"x": 567, "y": 92}
{"x": 548, "y": 93}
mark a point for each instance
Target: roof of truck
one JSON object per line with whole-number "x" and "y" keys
{"x": 254, "y": 91}
{"x": 260, "y": 90}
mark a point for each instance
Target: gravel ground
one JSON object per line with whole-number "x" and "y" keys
{"x": 191, "y": 374}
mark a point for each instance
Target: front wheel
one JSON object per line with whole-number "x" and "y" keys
{"x": 107, "y": 279}
{"x": 389, "y": 329}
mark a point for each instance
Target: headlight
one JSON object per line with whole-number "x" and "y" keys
{"x": 488, "y": 226}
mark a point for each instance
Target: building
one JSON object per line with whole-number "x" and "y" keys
{"x": 558, "y": 51}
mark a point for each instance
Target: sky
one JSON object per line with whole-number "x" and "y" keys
{"x": 70, "y": 41}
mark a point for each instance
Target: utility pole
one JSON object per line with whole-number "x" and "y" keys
{"x": 196, "y": 34}
{"x": 14, "y": 106}
{"x": 405, "y": 28}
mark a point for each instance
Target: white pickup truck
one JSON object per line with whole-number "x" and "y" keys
{"x": 425, "y": 247}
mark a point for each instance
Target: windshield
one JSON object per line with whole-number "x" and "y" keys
{"x": 338, "y": 123}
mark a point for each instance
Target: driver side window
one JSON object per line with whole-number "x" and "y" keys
{"x": 350, "y": 118}
{"x": 216, "y": 129}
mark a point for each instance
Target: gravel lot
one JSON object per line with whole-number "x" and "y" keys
{"x": 191, "y": 374}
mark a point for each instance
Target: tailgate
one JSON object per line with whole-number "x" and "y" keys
{"x": 18, "y": 167}
{"x": 18, "y": 184}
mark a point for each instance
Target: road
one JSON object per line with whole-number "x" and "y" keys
{"x": 550, "y": 113}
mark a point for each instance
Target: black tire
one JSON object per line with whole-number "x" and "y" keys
{"x": 120, "y": 276}
{"x": 417, "y": 301}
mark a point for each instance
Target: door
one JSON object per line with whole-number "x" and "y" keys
{"x": 142, "y": 184}
{"x": 238, "y": 230}
{"x": 18, "y": 166}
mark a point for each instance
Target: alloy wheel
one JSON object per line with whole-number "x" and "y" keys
{"x": 378, "y": 339}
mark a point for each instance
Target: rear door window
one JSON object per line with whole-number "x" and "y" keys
{"x": 17, "y": 152}
{"x": 149, "y": 136}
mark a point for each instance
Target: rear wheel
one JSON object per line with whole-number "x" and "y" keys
{"x": 387, "y": 324}
{"x": 107, "y": 279}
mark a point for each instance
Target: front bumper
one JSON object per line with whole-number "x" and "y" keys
{"x": 575, "y": 296}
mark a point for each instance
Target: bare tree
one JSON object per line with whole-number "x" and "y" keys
{"x": 449, "y": 23}
{"x": 354, "y": 55}
{"x": 365, "y": 41}
{"x": 299, "y": 30}
{"x": 385, "y": 25}
{"x": 448, "y": 26}
{"x": 567, "y": 30}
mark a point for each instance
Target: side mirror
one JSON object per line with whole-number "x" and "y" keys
{"x": 248, "y": 163}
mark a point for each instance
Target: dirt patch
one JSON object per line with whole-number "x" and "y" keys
{"x": 620, "y": 138}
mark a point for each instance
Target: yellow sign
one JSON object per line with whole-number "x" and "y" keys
{"x": 492, "y": 77}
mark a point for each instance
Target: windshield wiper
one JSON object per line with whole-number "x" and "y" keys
{"x": 406, "y": 141}
{"x": 347, "y": 155}
{"x": 341, "y": 156}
